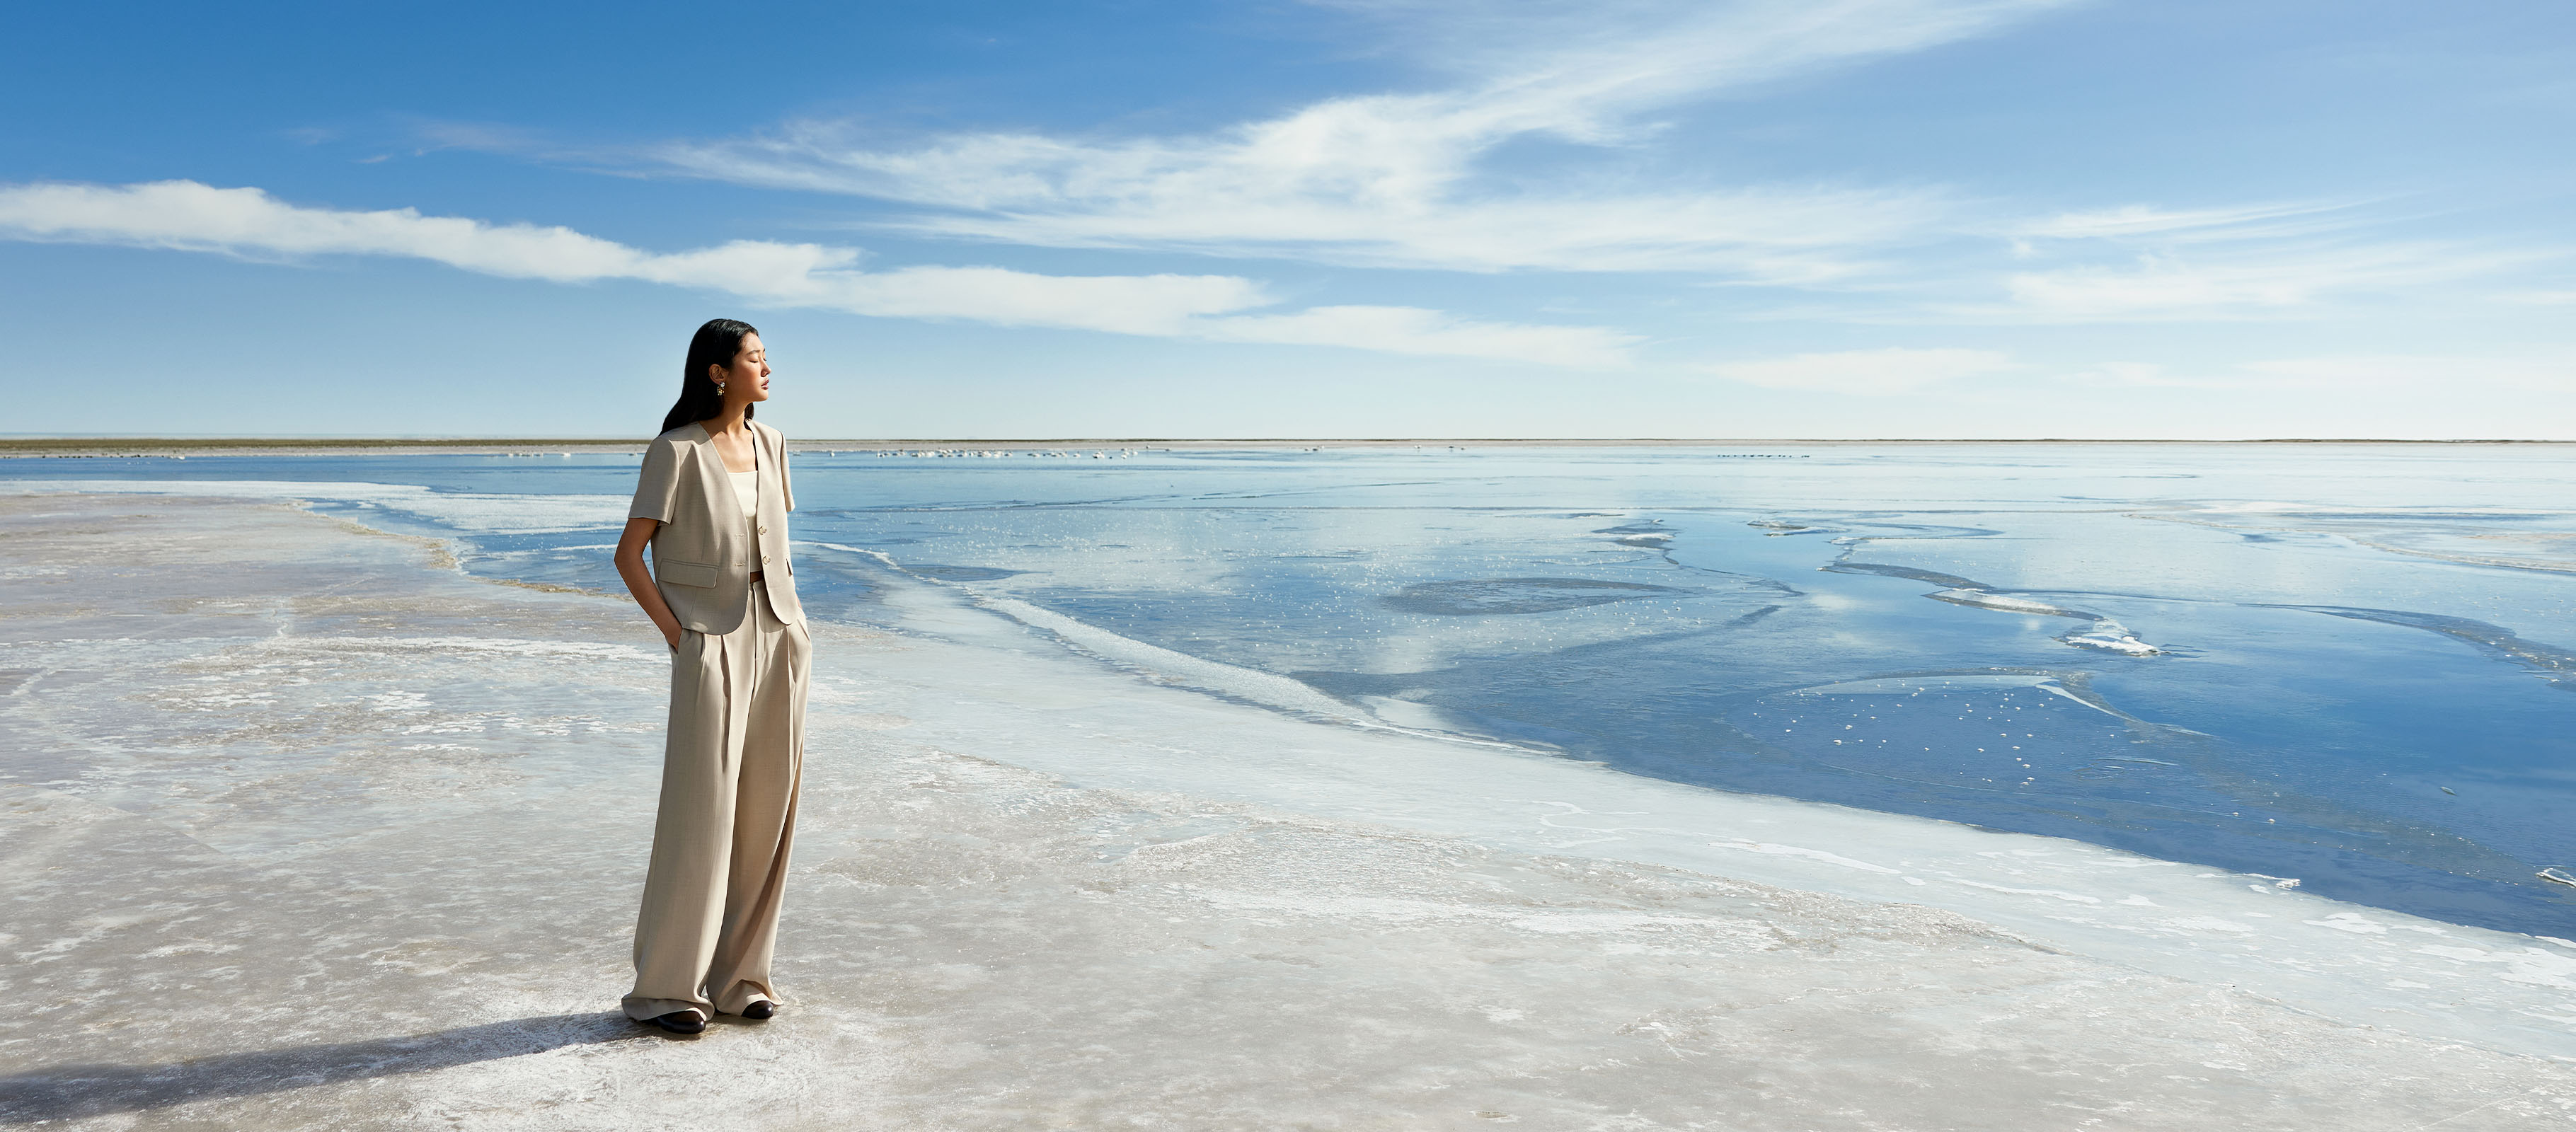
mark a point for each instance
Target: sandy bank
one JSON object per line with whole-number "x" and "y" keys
{"x": 302, "y": 830}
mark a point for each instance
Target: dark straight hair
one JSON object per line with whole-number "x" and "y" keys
{"x": 715, "y": 344}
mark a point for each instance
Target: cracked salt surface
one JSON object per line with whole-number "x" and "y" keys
{"x": 1035, "y": 890}
{"x": 2086, "y": 898}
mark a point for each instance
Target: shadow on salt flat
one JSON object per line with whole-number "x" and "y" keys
{"x": 67, "y": 1092}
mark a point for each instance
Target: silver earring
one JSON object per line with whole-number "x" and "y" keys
{"x": 720, "y": 389}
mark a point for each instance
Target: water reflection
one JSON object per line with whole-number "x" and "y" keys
{"x": 2345, "y": 665}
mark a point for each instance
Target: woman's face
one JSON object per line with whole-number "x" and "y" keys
{"x": 748, "y": 376}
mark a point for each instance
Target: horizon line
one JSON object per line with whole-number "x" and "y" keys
{"x": 69, "y": 440}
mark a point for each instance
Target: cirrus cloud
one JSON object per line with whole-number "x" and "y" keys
{"x": 247, "y": 222}
{"x": 1417, "y": 179}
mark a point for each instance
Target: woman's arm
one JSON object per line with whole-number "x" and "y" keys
{"x": 630, "y": 566}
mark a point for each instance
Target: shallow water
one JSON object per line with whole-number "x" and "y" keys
{"x": 2345, "y": 665}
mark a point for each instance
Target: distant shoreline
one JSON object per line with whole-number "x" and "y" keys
{"x": 38, "y": 447}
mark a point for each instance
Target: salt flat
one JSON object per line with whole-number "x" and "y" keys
{"x": 302, "y": 828}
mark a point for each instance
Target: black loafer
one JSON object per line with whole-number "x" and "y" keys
{"x": 760, "y": 1011}
{"x": 679, "y": 1022}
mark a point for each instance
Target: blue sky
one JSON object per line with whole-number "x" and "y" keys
{"x": 1835, "y": 218}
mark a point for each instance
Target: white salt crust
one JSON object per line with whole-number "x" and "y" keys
{"x": 358, "y": 847}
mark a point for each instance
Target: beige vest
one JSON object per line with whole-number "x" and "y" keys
{"x": 706, "y": 549}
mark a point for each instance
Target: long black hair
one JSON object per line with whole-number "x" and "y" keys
{"x": 715, "y": 344}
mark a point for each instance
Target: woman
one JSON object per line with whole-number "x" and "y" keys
{"x": 713, "y": 503}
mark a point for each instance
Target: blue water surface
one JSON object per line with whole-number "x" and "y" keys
{"x": 2347, "y": 664}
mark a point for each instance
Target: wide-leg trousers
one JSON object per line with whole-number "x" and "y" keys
{"x": 730, "y": 771}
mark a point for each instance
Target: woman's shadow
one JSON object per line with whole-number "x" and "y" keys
{"x": 70, "y": 1091}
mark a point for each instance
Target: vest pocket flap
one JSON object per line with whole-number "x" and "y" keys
{"x": 672, "y": 571}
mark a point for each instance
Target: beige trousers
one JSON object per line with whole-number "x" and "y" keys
{"x": 729, "y": 777}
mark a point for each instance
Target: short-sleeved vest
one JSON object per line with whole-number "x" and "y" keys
{"x": 706, "y": 549}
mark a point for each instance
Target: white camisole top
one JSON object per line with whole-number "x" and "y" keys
{"x": 746, "y": 491}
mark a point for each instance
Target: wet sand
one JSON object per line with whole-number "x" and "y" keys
{"x": 303, "y": 828}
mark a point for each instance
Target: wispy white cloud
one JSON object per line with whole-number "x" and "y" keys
{"x": 1430, "y": 179}
{"x": 2329, "y": 373}
{"x": 1892, "y": 370}
{"x": 2264, "y": 260}
{"x": 1410, "y": 179}
{"x": 2273, "y": 280}
{"x": 2227, "y": 222}
{"x": 190, "y": 216}
{"x": 186, "y": 215}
